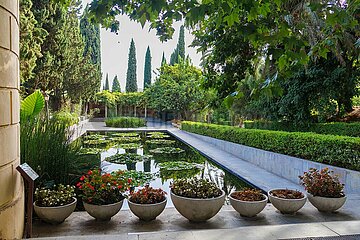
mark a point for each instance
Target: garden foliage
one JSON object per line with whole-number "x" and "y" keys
{"x": 125, "y": 122}
{"x": 334, "y": 128}
{"x": 334, "y": 150}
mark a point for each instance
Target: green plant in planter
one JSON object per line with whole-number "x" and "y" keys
{"x": 160, "y": 142}
{"x": 127, "y": 158}
{"x": 322, "y": 183}
{"x": 130, "y": 145}
{"x": 125, "y": 139}
{"x": 195, "y": 188}
{"x": 94, "y": 137}
{"x": 167, "y": 150}
{"x": 148, "y": 195}
{"x": 125, "y": 134}
{"x": 157, "y": 135}
{"x": 59, "y": 195}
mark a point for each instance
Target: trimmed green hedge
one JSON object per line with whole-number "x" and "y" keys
{"x": 334, "y": 128}
{"x": 335, "y": 150}
{"x": 125, "y": 122}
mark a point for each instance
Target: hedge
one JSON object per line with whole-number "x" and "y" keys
{"x": 334, "y": 150}
{"x": 125, "y": 122}
{"x": 334, "y": 128}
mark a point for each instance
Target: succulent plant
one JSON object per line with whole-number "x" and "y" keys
{"x": 58, "y": 195}
{"x": 148, "y": 195}
{"x": 248, "y": 194}
{"x": 287, "y": 194}
{"x": 195, "y": 188}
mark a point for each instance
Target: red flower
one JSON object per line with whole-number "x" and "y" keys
{"x": 90, "y": 172}
{"x": 120, "y": 186}
{"x": 129, "y": 180}
{"x": 78, "y": 184}
{"x": 82, "y": 178}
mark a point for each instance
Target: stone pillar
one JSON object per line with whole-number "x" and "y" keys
{"x": 11, "y": 184}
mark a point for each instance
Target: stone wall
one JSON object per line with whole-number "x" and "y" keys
{"x": 11, "y": 185}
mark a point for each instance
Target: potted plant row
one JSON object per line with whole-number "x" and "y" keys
{"x": 196, "y": 199}
{"x": 103, "y": 194}
{"x": 55, "y": 204}
{"x": 147, "y": 203}
{"x": 325, "y": 192}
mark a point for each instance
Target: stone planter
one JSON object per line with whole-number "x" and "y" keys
{"x": 198, "y": 210}
{"x": 248, "y": 208}
{"x": 55, "y": 215}
{"x": 287, "y": 206}
{"x": 147, "y": 212}
{"x": 103, "y": 212}
{"x": 326, "y": 204}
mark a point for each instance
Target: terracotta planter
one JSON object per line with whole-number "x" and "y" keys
{"x": 147, "y": 212}
{"x": 326, "y": 204}
{"x": 287, "y": 206}
{"x": 103, "y": 212}
{"x": 248, "y": 208}
{"x": 198, "y": 210}
{"x": 55, "y": 215}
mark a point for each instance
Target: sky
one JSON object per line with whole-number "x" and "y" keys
{"x": 115, "y": 49}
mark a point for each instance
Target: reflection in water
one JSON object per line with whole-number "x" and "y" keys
{"x": 208, "y": 170}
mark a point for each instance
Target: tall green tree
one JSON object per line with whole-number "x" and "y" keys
{"x": 32, "y": 36}
{"x": 107, "y": 85}
{"x": 131, "y": 79}
{"x": 116, "y": 85}
{"x": 179, "y": 51}
{"x": 163, "y": 59}
{"x": 147, "y": 69}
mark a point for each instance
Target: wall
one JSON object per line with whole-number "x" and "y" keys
{"x": 282, "y": 165}
{"x": 11, "y": 185}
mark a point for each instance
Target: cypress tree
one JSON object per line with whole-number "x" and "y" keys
{"x": 163, "y": 60}
{"x": 116, "y": 85}
{"x": 131, "y": 80}
{"x": 107, "y": 85}
{"x": 181, "y": 43}
{"x": 147, "y": 68}
{"x": 179, "y": 51}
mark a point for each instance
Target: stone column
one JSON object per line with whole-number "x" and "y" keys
{"x": 11, "y": 184}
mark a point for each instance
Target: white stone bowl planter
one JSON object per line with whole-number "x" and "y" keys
{"x": 147, "y": 212}
{"x": 55, "y": 215}
{"x": 287, "y": 206}
{"x": 248, "y": 208}
{"x": 196, "y": 209}
{"x": 326, "y": 204}
{"x": 103, "y": 212}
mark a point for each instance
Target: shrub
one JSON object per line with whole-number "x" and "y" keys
{"x": 322, "y": 183}
{"x": 334, "y": 128}
{"x": 335, "y": 150}
{"x": 148, "y": 195}
{"x": 195, "y": 188}
{"x": 125, "y": 122}
{"x": 67, "y": 118}
{"x": 46, "y": 146}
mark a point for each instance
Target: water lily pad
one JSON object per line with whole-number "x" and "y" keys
{"x": 85, "y": 151}
{"x": 167, "y": 150}
{"x": 160, "y": 142}
{"x": 125, "y": 134}
{"x": 125, "y": 139}
{"x": 94, "y": 137}
{"x": 157, "y": 135}
{"x": 127, "y": 158}
{"x": 130, "y": 145}
{"x": 179, "y": 166}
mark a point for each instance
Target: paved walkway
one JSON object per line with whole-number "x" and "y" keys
{"x": 227, "y": 224}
